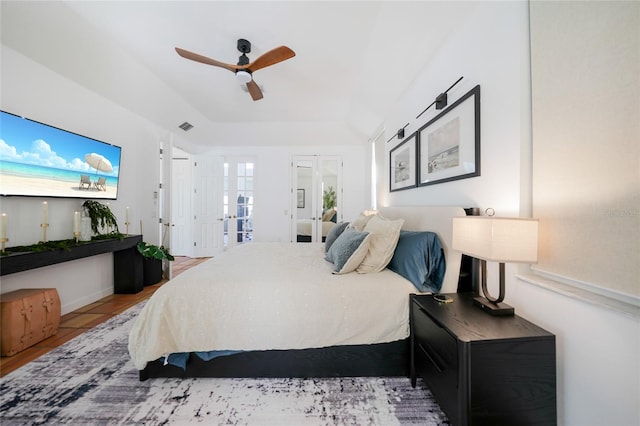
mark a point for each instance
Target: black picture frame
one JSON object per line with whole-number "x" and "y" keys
{"x": 449, "y": 144}
{"x": 300, "y": 199}
{"x": 403, "y": 163}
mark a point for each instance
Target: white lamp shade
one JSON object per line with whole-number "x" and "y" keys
{"x": 243, "y": 76}
{"x": 496, "y": 239}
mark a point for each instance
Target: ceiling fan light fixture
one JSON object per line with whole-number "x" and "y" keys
{"x": 243, "y": 76}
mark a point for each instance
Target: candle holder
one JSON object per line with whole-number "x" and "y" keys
{"x": 3, "y": 241}
{"x": 44, "y": 227}
{"x": 76, "y": 235}
{"x": 126, "y": 226}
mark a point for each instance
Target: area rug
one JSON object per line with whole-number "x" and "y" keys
{"x": 91, "y": 381}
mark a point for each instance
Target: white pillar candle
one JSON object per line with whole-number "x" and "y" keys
{"x": 127, "y": 215}
{"x": 45, "y": 213}
{"x": 3, "y": 227}
{"x": 76, "y": 222}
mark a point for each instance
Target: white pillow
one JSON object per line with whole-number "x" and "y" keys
{"x": 383, "y": 239}
{"x": 361, "y": 220}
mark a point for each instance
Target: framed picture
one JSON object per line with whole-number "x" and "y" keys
{"x": 449, "y": 144}
{"x": 301, "y": 198}
{"x": 402, "y": 165}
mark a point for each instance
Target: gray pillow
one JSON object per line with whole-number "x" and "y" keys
{"x": 348, "y": 251}
{"x": 333, "y": 234}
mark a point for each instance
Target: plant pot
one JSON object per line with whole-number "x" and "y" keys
{"x": 152, "y": 271}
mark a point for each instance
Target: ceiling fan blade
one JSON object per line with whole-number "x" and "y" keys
{"x": 254, "y": 90}
{"x": 208, "y": 61}
{"x": 271, "y": 57}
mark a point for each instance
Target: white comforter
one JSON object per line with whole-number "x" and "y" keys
{"x": 263, "y": 296}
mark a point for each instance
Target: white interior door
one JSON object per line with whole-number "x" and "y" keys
{"x": 181, "y": 200}
{"x": 304, "y": 199}
{"x": 330, "y": 191}
{"x": 208, "y": 206}
{"x": 164, "y": 195}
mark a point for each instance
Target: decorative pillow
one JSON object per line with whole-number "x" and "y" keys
{"x": 348, "y": 250}
{"x": 420, "y": 259}
{"x": 361, "y": 220}
{"x": 333, "y": 234}
{"x": 384, "y": 237}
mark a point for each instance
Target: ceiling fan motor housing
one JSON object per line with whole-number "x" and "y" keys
{"x": 244, "y": 46}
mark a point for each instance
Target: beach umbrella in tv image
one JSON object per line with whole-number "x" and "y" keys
{"x": 98, "y": 162}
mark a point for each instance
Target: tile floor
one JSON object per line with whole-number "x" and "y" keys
{"x": 77, "y": 322}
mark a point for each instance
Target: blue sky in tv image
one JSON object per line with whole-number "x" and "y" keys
{"x": 29, "y": 148}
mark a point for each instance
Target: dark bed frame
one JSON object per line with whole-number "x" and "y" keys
{"x": 376, "y": 360}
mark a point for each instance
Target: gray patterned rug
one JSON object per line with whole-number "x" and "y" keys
{"x": 90, "y": 381}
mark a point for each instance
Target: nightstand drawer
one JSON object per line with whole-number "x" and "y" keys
{"x": 436, "y": 358}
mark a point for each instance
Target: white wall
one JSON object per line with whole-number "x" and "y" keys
{"x": 36, "y": 92}
{"x": 483, "y": 52}
{"x": 598, "y": 367}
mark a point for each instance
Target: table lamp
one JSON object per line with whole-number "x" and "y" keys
{"x": 497, "y": 240}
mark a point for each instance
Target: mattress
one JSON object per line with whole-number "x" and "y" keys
{"x": 263, "y": 296}
{"x": 304, "y": 227}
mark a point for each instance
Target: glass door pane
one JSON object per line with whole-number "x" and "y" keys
{"x": 304, "y": 197}
{"x": 244, "y": 203}
{"x": 238, "y": 202}
{"x": 330, "y": 189}
{"x": 226, "y": 204}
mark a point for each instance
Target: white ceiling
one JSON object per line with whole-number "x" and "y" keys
{"x": 353, "y": 59}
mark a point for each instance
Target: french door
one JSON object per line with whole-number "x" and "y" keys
{"x": 223, "y": 202}
{"x": 207, "y": 206}
{"x": 316, "y": 196}
{"x": 239, "y": 196}
{"x": 163, "y": 199}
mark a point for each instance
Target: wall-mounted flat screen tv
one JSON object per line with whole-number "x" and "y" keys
{"x": 39, "y": 160}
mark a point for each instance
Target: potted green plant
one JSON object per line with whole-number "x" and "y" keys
{"x": 101, "y": 217}
{"x": 329, "y": 198}
{"x": 152, "y": 261}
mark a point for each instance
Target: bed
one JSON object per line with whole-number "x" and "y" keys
{"x": 281, "y": 310}
{"x": 304, "y": 229}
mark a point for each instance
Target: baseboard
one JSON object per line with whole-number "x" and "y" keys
{"x": 85, "y": 300}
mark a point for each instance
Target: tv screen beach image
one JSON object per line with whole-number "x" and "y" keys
{"x": 41, "y": 160}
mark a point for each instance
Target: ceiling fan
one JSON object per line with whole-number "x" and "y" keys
{"x": 244, "y": 69}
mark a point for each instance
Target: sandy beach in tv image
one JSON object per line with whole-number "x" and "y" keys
{"x": 32, "y": 186}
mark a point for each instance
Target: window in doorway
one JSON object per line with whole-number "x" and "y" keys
{"x": 238, "y": 202}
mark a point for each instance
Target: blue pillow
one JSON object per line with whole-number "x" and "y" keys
{"x": 333, "y": 234}
{"x": 348, "y": 251}
{"x": 420, "y": 259}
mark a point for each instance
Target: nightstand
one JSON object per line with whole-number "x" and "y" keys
{"x": 482, "y": 369}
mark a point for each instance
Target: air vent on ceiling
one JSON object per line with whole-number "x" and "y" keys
{"x": 186, "y": 126}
